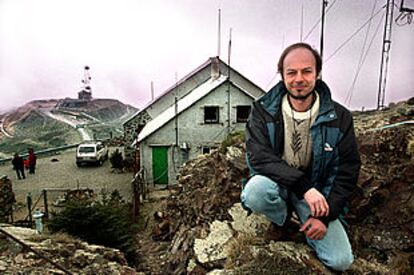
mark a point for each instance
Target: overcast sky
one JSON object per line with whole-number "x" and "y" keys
{"x": 44, "y": 45}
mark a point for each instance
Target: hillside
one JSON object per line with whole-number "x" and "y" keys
{"x": 42, "y": 124}
{"x": 199, "y": 227}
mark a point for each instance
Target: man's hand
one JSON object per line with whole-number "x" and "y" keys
{"x": 317, "y": 203}
{"x": 314, "y": 229}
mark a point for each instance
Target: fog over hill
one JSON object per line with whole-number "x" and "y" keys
{"x": 50, "y": 123}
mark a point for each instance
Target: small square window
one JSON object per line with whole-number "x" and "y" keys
{"x": 208, "y": 149}
{"x": 211, "y": 114}
{"x": 205, "y": 150}
{"x": 242, "y": 113}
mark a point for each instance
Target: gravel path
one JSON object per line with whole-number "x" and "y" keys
{"x": 63, "y": 118}
{"x": 65, "y": 174}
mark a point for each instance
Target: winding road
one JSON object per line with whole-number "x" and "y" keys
{"x": 73, "y": 123}
{"x": 4, "y": 130}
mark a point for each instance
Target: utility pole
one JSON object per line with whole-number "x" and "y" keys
{"x": 385, "y": 55}
{"x": 324, "y": 4}
{"x": 219, "y": 33}
{"x": 228, "y": 87}
{"x": 301, "y": 24}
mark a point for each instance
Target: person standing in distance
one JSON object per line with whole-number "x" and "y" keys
{"x": 32, "y": 161}
{"x": 302, "y": 155}
{"x": 18, "y": 165}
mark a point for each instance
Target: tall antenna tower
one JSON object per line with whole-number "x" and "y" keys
{"x": 86, "y": 93}
{"x": 385, "y": 56}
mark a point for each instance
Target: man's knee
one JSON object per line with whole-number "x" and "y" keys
{"x": 260, "y": 193}
{"x": 253, "y": 196}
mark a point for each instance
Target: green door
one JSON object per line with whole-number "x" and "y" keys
{"x": 160, "y": 164}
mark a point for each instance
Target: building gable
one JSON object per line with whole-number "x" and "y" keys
{"x": 182, "y": 105}
{"x": 192, "y": 80}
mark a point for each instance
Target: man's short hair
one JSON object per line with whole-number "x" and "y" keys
{"x": 318, "y": 59}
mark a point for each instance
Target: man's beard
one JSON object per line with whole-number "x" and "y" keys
{"x": 301, "y": 97}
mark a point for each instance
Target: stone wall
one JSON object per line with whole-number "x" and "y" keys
{"x": 6, "y": 199}
{"x": 130, "y": 132}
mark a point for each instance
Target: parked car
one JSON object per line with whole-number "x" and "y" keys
{"x": 91, "y": 152}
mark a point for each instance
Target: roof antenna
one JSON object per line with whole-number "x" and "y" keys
{"x": 301, "y": 25}
{"x": 228, "y": 87}
{"x": 152, "y": 90}
{"x": 219, "y": 33}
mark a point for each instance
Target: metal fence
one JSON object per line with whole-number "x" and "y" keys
{"x": 49, "y": 151}
{"x": 44, "y": 152}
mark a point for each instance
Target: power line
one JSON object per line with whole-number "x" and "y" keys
{"x": 319, "y": 20}
{"x": 352, "y": 36}
{"x": 351, "y": 90}
{"x": 360, "y": 61}
{"x": 271, "y": 81}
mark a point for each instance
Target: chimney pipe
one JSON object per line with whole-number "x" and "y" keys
{"x": 215, "y": 67}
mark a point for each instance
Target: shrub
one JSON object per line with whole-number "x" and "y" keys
{"x": 108, "y": 223}
{"x": 232, "y": 139}
{"x": 116, "y": 159}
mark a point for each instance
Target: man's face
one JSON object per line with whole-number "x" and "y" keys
{"x": 299, "y": 73}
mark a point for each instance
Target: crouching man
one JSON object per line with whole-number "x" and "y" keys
{"x": 302, "y": 152}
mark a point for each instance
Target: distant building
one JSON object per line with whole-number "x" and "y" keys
{"x": 189, "y": 119}
{"x": 84, "y": 96}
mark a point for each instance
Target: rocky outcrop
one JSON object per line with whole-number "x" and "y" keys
{"x": 72, "y": 255}
{"x": 210, "y": 232}
{"x": 246, "y": 252}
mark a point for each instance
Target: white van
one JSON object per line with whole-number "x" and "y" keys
{"x": 91, "y": 152}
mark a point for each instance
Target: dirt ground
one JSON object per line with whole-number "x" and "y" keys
{"x": 60, "y": 171}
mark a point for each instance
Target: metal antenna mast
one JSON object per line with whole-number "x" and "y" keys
{"x": 324, "y": 4}
{"x": 219, "y": 33}
{"x": 386, "y": 46}
{"x": 228, "y": 87}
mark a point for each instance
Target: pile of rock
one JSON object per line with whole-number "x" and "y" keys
{"x": 208, "y": 187}
{"x": 210, "y": 232}
{"x": 6, "y": 199}
{"x": 72, "y": 255}
{"x": 382, "y": 208}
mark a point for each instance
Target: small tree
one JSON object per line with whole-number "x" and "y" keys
{"x": 107, "y": 222}
{"x": 116, "y": 159}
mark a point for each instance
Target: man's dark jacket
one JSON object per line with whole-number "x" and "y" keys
{"x": 335, "y": 161}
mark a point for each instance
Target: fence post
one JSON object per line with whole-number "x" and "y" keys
{"x": 29, "y": 206}
{"x": 142, "y": 185}
{"x": 134, "y": 207}
{"x": 45, "y": 203}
